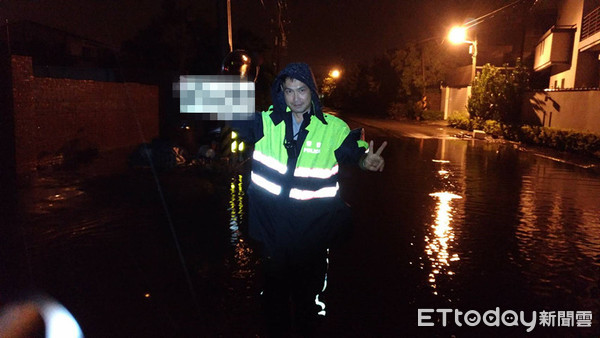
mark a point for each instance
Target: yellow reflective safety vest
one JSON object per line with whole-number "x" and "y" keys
{"x": 313, "y": 174}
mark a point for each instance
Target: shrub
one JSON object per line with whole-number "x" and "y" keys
{"x": 559, "y": 139}
{"x": 477, "y": 123}
{"x": 432, "y": 115}
{"x": 397, "y": 110}
{"x": 528, "y": 134}
{"x": 493, "y": 128}
{"x": 460, "y": 121}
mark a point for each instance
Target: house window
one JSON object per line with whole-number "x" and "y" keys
{"x": 555, "y": 84}
{"x": 562, "y": 83}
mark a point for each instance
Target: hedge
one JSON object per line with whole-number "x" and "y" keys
{"x": 560, "y": 139}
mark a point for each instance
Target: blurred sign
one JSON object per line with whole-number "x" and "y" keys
{"x": 216, "y": 97}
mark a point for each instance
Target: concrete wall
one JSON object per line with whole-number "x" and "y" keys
{"x": 588, "y": 67}
{"x": 454, "y": 100}
{"x": 578, "y": 110}
{"x": 52, "y": 115}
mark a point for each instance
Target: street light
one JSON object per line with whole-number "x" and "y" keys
{"x": 335, "y": 73}
{"x": 458, "y": 34}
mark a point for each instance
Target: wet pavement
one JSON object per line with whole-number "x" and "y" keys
{"x": 450, "y": 224}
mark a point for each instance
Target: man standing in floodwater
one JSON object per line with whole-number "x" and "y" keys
{"x": 295, "y": 208}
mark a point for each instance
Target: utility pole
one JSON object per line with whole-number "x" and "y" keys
{"x": 229, "y": 33}
{"x": 280, "y": 34}
{"x": 224, "y": 23}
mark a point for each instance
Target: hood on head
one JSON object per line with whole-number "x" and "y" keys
{"x": 300, "y": 72}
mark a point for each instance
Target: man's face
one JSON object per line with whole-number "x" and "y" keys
{"x": 297, "y": 95}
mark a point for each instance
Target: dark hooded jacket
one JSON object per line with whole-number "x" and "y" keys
{"x": 282, "y": 224}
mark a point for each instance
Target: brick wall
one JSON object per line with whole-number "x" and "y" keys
{"x": 52, "y": 114}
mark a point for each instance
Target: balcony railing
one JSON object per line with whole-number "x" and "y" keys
{"x": 591, "y": 24}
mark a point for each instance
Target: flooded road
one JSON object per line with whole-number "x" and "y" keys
{"x": 450, "y": 224}
{"x": 469, "y": 225}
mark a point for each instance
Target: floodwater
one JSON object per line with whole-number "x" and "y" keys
{"x": 450, "y": 224}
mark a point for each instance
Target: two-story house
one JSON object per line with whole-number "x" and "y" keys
{"x": 568, "y": 54}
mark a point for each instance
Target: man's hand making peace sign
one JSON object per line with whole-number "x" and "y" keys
{"x": 373, "y": 161}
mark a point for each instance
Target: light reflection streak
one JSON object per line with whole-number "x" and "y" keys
{"x": 441, "y": 252}
{"x": 242, "y": 251}
{"x": 438, "y": 245}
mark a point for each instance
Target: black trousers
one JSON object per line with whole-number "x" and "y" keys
{"x": 293, "y": 280}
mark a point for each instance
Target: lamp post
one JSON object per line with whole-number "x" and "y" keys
{"x": 458, "y": 34}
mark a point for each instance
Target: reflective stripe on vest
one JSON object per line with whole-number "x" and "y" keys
{"x": 310, "y": 194}
{"x": 270, "y": 162}
{"x": 262, "y": 182}
{"x": 316, "y": 172}
{"x": 298, "y": 194}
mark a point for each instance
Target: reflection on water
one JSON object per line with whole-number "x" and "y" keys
{"x": 526, "y": 227}
{"x": 440, "y": 245}
{"x": 50, "y": 193}
{"x": 440, "y": 237}
{"x": 440, "y": 240}
{"x": 493, "y": 227}
{"x": 242, "y": 251}
{"x": 111, "y": 235}
{"x": 558, "y": 232}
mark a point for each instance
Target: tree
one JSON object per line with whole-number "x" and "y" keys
{"x": 328, "y": 91}
{"x": 421, "y": 65}
{"x": 391, "y": 83}
{"x": 367, "y": 88}
{"x": 179, "y": 40}
{"x": 497, "y": 93}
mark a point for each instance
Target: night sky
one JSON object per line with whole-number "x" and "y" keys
{"x": 323, "y": 33}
